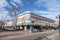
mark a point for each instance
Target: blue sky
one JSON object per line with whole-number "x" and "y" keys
{"x": 46, "y": 8}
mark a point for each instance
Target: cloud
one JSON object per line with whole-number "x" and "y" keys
{"x": 53, "y": 7}
{"x": 15, "y": 3}
{"x": 41, "y": 12}
{"x": 3, "y": 3}
{"x": 48, "y": 14}
{"x": 9, "y": 3}
{"x": 3, "y": 12}
{"x": 4, "y": 7}
{"x": 19, "y": 2}
{"x": 3, "y": 15}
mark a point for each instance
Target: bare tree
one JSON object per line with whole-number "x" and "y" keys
{"x": 3, "y": 21}
{"x": 2, "y": 24}
{"x": 14, "y": 14}
{"x": 13, "y": 11}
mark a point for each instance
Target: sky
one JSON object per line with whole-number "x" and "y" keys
{"x": 46, "y": 8}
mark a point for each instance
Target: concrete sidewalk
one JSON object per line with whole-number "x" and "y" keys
{"x": 23, "y": 36}
{"x": 57, "y": 37}
{"x": 10, "y": 33}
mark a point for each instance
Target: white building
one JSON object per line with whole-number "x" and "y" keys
{"x": 31, "y": 21}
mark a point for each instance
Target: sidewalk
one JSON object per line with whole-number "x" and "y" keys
{"x": 24, "y": 35}
{"x": 28, "y": 36}
{"x": 10, "y": 33}
{"x": 52, "y": 37}
{"x": 57, "y": 37}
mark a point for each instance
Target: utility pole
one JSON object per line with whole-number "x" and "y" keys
{"x": 59, "y": 23}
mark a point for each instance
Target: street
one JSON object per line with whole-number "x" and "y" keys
{"x": 33, "y": 36}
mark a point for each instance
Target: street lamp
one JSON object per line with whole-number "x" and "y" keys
{"x": 59, "y": 23}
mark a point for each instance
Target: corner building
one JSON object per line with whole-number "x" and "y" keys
{"x": 30, "y": 21}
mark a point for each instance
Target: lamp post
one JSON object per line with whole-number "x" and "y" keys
{"x": 59, "y": 23}
{"x": 32, "y": 26}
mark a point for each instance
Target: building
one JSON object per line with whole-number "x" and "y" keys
{"x": 30, "y": 21}
{"x": 2, "y": 24}
{"x": 56, "y": 23}
{"x": 8, "y": 25}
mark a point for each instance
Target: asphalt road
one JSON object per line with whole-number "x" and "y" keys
{"x": 33, "y": 36}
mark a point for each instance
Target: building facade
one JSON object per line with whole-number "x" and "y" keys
{"x": 30, "y": 21}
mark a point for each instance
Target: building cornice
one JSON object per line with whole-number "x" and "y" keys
{"x": 39, "y": 16}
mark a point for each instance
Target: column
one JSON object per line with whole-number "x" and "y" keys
{"x": 41, "y": 28}
{"x": 25, "y": 28}
{"x": 21, "y": 27}
{"x": 17, "y": 27}
{"x": 31, "y": 29}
